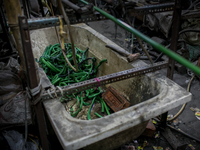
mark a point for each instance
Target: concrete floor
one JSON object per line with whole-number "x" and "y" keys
{"x": 188, "y": 122}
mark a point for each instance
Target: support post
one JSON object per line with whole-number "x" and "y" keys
{"x": 176, "y": 21}
{"x": 13, "y": 9}
{"x": 33, "y": 79}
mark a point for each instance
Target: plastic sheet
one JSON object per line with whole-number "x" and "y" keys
{"x": 16, "y": 141}
{"x": 12, "y": 65}
{"x": 10, "y": 83}
{"x": 13, "y": 111}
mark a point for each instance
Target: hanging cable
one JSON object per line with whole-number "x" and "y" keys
{"x": 62, "y": 45}
{"x": 70, "y": 33}
{"x": 62, "y": 39}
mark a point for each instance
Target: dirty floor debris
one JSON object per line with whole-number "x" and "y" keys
{"x": 187, "y": 121}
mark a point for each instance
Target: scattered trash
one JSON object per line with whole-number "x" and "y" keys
{"x": 128, "y": 147}
{"x": 167, "y": 148}
{"x": 13, "y": 111}
{"x": 11, "y": 65}
{"x": 128, "y": 40}
{"x": 16, "y": 141}
{"x": 157, "y": 135}
{"x": 150, "y": 129}
{"x": 179, "y": 129}
{"x": 140, "y": 148}
{"x": 192, "y": 147}
{"x": 197, "y": 112}
{"x": 154, "y": 122}
{"x": 191, "y": 37}
{"x": 12, "y": 98}
{"x": 114, "y": 100}
{"x": 187, "y": 81}
{"x": 10, "y": 82}
{"x": 145, "y": 144}
{"x": 189, "y": 72}
{"x": 169, "y": 116}
{"x": 157, "y": 148}
{"x": 176, "y": 122}
{"x": 10, "y": 85}
{"x": 194, "y": 109}
{"x": 159, "y": 21}
{"x": 135, "y": 141}
{"x": 194, "y": 52}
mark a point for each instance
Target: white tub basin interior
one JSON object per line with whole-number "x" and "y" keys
{"x": 150, "y": 95}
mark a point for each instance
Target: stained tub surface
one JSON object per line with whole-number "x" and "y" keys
{"x": 150, "y": 95}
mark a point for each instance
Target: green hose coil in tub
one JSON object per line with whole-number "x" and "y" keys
{"x": 150, "y": 95}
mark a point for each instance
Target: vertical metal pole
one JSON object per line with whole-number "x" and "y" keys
{"x": 33, "y": 79}
{"x": 41, "y": 8}
{"x": 176, "y": 21}
{"x": 6, "y": 33}
{"x": 25, "y": 8}
{"x": 13, "y": 9}
{"x": 175, "y": 34}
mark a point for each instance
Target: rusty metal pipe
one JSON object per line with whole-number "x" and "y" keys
{"x": 72, "y": 5}
{"x": 33, "y": 78}
{"x": 78, "y": 9}
{"x": 146, "y": 52}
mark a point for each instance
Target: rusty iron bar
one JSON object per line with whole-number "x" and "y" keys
{"x": 175, "y": 34}
{"x": 174, "y": 40}
{"x": 44, "y": 22}
{"x": 148, "y": 9}
{"x": 28, "y": 54}
{"x": 103, "y": 80}
{"x": 32, "y": 77}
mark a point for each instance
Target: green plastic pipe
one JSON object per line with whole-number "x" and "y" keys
{"x": 159, "y": 47}
{"x": 98, "y": 115}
